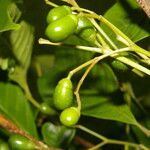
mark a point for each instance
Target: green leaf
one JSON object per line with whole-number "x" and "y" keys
{"x": 106, "y": 79}
{"x": 16, "y": 107}
{"x": 128, "y": 17}
{"x": 105, "y": 108}
{"x": 57, "y": 135}
{"x": 6, "y": 22}
{"x": 71, "y": 54}
{"x": 22, "y": 43}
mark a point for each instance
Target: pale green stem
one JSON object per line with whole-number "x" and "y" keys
{"x": 117, "y": 142}
{"x": 139, "y": 73}
{"x": 101, "y": 40}
{"x": 72, "y": 2}
{"x": 51, "y": 3}
{"x": 85, "y": 48}
{"x": 103, "y": 33}
{"x": 126, "y": 147}
{"x": 133, "y": 46}
{"x": 91, "y": 132}
{"x": 98, "y": 50}
{"x": 133, "y": 64}
{"x": 90, "y": 49}
{"x": 110, "y": 141}
{"x": 116, "y": 31}
{"x": 138, "y": 49}
{"x": 28, "y": 95}
{"x": 94, "y": 61}
{"x": 96, "y": 147}
{"x": 143, "y": 129}
{"x": 72, "y": 72}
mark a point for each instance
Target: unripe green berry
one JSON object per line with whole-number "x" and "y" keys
{"x": 20, "y": 142}
{"x": 58, "y": 13}
{"x": 86, "y": 30}
{"x": 88, "y": 35}
{"x": 61, "y": 29}
{"x": 63, "y": 94}
{"x": 46, "y": 109}
{"x": 83, "y": 23}
{"x": 70, "y": 116}
{"x": 119, "y": 65}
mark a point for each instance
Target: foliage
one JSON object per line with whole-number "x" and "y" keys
{"x": 31, "y": 67}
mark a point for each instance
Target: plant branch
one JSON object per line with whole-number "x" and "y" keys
{"x": 51, "y": 3}
{"x": 98, "y": 146}
{"x": 12, "y": 128}
{"x": 93, "y": 62}
{"x": 110, "y": 141}
{"x": 143, "y": 129}
{"x": 103, "y": 33}
{"x": 83, "y": 142}
{"x": 84, "y": 48}
{"x": 71, "y": 2}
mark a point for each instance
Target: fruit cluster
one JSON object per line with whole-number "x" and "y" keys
{"x": 62, "y": 23}
{"x": 63, "y": 99}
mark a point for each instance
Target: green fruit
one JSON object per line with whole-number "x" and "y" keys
{"x": 85, "y": 30}
{"x": 70, "y": 116}
{"x": 58, "y": 13}
{"x": 83, "y": 23}
{"x": 61, "y": 29}
{"x": 63, "y": 94}
{"x": 45, "y": 109}
{"x": 119, "y": 65}
{"x": 3, "y": 146}
{"x": 19, "y": 142}
{"x": 88, "y": 35}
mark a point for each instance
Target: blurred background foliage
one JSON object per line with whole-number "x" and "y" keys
{"x": 22, "y": 23}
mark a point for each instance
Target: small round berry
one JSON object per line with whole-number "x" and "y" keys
{"x": 17, "y": 141}
{"x": 119, "y": 65}
{"x": 88, "y": 35}
{"x": 46, "y": 109}
{"x": 70, "y": 116}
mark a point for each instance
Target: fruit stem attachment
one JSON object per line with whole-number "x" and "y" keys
{"x": 92, "y": 63}
{"x": 104, "y": 34}
{"x": 97, "y": 50}
{"x": 84, "y": 48}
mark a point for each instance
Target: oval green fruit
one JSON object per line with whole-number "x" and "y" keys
{"x": 83, "y": 23}
{"x": 88, "y": 35}
{"x": 19, "y": 142}
{"x": 63, "y": 94}
{"x": 70, "y": 116}
{"x": 61, "y": 29}
{"x": 58, "y": 13}
{"x": 119, "y": 65}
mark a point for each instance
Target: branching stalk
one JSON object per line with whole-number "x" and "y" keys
{"x": 110, "y": 141}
